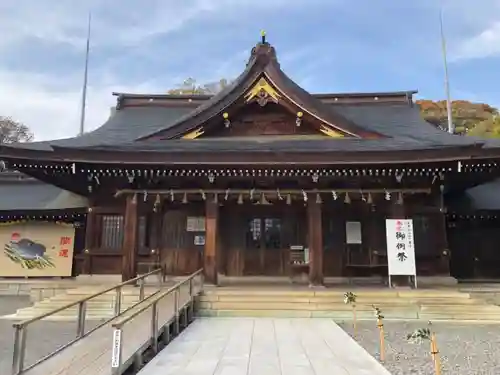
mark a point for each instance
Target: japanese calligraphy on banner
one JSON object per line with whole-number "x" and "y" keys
{"x": 400, "y": 247}
{"x": 35, "y": 249}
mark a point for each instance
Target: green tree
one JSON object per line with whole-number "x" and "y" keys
{"x": 191, "y": 87}
{"x": 489, "y": 128}
{"x": 12, "y": 131}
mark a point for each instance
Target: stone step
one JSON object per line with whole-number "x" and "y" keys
{"x": 460, "y": 308}
{"x": 323, "y": 299}
{"x": 337, "y": 315}
{"x": 308, "y": 293}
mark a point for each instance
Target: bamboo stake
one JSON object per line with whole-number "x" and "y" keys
{"x": 354, "y": 320}
{"x": 435, "y": 354}
{"x": 380, "y": 326}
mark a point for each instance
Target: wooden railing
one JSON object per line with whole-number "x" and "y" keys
{"x": 164, "y": 311}
{"x": 21, "y": 328}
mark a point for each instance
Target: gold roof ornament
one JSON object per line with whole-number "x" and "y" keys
{"x": 262, "y": 92}
{"x": 194, "y": 134}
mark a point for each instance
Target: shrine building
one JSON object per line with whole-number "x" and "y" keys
{"x": 261, "y": 179}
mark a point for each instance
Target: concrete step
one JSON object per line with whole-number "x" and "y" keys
{"x": 399, "y": 314}
{"x": 101, "y": 307}
{"x": 426, "y": 304}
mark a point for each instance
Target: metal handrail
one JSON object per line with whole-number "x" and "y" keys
{"x": 152, "y": 303}
{"x": 22, "y": 327}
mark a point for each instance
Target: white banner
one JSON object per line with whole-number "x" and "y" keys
{"x": 400, "y": 247}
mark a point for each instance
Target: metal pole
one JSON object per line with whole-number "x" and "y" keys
{"x": 85, "y": 79}
{"x": 19, "y": 350}
{"x": 141, "y": 289}
{"x": 118, "y": 301}
{"x": 176, "y": 311}
{"x": 451, "y": 128}
{"x": 154, "y": 327}
{"x": 82, "y": 309}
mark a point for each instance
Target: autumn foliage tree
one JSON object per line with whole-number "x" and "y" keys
{"x": 466, "y": 115}
{"x": 12, "y": 131}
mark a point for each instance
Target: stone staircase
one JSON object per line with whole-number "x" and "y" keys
{"x": 98, "y": 308}
{"x": 396, "y": 304}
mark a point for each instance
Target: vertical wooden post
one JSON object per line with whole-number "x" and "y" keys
{"x": 441, "y": 236}
{"x": 129, "y": 259}
{"x": 315, "y": 231}
{"x": 89, "y": 240}
{"x": 210, "y": 251}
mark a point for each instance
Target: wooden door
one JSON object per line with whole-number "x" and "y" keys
{"x": 264, "y": 250}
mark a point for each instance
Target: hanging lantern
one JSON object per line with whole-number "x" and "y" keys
{"x": 263, "y": 200}
{"x": 203, "y": 195}
{"x": 145, "y": 195}
{"x": 288, "y": 199}
{"x": 369, "y": 200}
{"x": 318, "y": 199}
{"x": 334, "y": 195}
{"x": 240, "y": 199}
{"x": 387, "y": 196}
{"x": 304, "y": 195}
{"x": 172, "y": 197}
{"x": 226, "y": 196}
{"x": 347, "y": 199}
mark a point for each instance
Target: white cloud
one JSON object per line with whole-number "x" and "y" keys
{"x": 48, "y": 102}
{"x": 484, "y": 44}
{"x": 53, "y": 114}
{"x": 473, "y": 29}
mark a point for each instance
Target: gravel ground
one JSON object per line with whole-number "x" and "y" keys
{"x": 471, "y": 349}
{"x": 42, "y": 339}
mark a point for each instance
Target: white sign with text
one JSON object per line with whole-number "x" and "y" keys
{"x": 400, "y": 247}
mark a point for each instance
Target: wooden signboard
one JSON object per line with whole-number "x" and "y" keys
{"x": 34, "y": 249}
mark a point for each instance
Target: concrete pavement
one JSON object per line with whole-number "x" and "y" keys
{"x": 263, "y": 346}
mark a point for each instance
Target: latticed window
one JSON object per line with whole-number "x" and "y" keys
{"x": 112, "y": 232}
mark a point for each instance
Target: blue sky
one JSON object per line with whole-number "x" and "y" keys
{"x": 151, "y": 45}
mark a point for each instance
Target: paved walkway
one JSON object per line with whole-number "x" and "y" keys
{"x": 262, "y": 346}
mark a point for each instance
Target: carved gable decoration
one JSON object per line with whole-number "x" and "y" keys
{"x": 262, "y": 93}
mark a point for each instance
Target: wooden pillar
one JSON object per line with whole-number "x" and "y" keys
{"x": 315, "y": 243}
{"x": 210, "y": 251}
{"x": 90, "y": 234}
{"x": 129, "y": 259}
{"x": 441, "y": 236}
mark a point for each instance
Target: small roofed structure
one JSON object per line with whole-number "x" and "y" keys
{"x": 262, "y": 178}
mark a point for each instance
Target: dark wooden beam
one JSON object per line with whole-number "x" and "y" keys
{"x": 210, "y": 251}
{"x": 315, "y": 243}
{"x": 90, "y": 232}
{"x": 129, "y": 264}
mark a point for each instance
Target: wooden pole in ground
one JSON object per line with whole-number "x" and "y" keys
{"x": 435, "y": 354}
{"x": 354, "y": 319}
{"x": 380, "y": 326}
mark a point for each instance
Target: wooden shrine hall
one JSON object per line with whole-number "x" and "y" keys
{"x": 262, "y": 178}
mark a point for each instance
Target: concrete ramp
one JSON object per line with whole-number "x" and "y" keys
{"x": 263, "y": 346}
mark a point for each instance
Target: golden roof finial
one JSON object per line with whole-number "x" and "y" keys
{"x": 263, "y": 36}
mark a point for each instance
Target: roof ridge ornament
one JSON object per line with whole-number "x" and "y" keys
{"x": 263, "y": 36}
